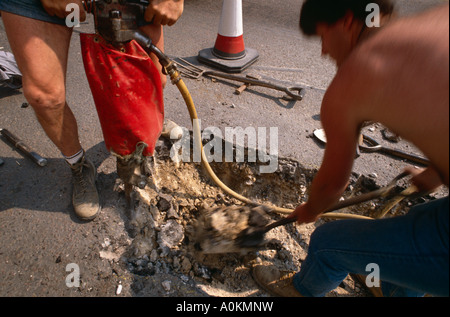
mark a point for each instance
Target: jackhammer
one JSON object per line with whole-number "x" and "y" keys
{"x": 118, "y": 22}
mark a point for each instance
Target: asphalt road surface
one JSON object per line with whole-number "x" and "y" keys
{"x": 39, "y": 234}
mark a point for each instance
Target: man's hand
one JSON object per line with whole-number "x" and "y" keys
{"x": 58, "y": 8}
{"x": 303, "y": 214}
{"x": 426, "y": 180}
{"x": 164, "y": 12}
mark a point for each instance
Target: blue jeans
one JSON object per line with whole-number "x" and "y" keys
{"x": 411, "y": 253}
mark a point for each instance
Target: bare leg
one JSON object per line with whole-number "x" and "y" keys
{"x": 41, "y": 52}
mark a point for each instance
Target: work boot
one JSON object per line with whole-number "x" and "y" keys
{"x": 85, "y": 196}
{"x": 275, "y": 282}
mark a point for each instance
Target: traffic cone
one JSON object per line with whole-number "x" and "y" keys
{"x": 229, "y": 53}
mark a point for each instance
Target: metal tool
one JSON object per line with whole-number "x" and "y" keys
{"x": 22, "y": 147}
{"x": 370, "y": 145}
{"x": 189, "y": 70}
{"x": 253, "y": 237}
{"x": 118, "y": 22}
{"x": 374, "y": 146}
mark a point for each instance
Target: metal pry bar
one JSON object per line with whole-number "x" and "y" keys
{"x": 22, "y": 147}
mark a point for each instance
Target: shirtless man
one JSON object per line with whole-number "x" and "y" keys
{"x": 398, "y": 75}
{"x": 40, "y": 40}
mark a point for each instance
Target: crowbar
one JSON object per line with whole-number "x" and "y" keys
{"x": 22, "y": 147}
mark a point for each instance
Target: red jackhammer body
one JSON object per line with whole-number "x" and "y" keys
{"x": 125, "y": 84}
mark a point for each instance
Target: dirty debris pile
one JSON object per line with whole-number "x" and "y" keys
{"x": 169, "y": 226}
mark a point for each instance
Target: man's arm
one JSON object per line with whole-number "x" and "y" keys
{"x": 340, "y": 116}
{"x": 164, "y": 12}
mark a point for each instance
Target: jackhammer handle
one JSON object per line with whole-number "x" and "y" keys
{"x": 88, "y": 5}
{"x": 22, "y": 147}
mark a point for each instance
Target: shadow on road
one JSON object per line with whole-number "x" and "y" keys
{"x": 25, "y": 185}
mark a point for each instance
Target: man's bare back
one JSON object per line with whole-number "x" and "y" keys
{"x": 400, "y": 78}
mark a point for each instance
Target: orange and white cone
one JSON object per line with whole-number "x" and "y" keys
{"x": 230, "y": 40}
{"x": 229, "y": 53}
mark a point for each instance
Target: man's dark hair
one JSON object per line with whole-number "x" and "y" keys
{"x": 331, "y": 11}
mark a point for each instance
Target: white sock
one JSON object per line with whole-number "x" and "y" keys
{"x": 74, "y": 158}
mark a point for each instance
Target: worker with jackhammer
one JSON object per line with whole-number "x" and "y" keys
{"x": 394, "y": 71}
{"x": 40, "y": 40}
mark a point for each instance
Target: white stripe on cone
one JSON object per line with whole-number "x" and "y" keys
{"x": 230, "y": 40}
{"x": 231, "y": 24}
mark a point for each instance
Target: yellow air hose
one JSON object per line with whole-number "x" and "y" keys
{"x": 176, "y": 79}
